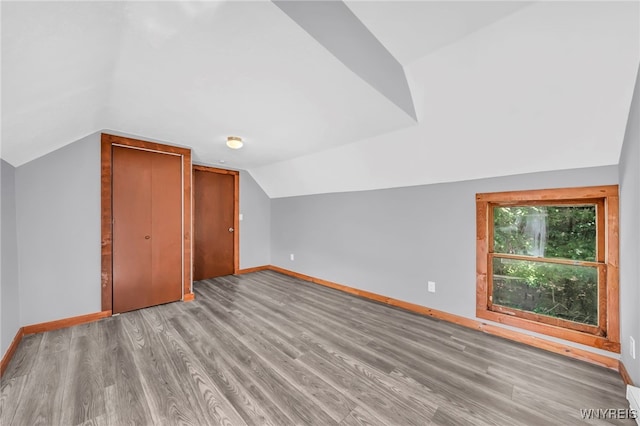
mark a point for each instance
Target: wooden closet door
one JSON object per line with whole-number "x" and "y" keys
{"x": 147, "y": 228}
{"x": 213, "y": 224}
{"x": 166, "y": 228}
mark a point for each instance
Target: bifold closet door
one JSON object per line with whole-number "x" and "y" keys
{"x": 147, "y": 228}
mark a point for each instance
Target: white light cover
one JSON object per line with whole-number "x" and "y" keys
{"x": 234, "y": 142}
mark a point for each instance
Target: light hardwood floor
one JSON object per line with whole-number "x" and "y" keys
{"x": 269, "y": 349}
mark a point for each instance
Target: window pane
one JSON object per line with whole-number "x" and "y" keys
{"x": 567, "y": 232}
{"x": 563, "y": 291}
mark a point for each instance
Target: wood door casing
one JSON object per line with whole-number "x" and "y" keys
{"x": 147, "y": 228}
{"x": 214, "y": 215}
{"x": 106, "y": 212}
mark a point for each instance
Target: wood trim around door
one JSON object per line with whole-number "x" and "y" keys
{"x": 236, "y": 209}
{"x": 107, "y": 141}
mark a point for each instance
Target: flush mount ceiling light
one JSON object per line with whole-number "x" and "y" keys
{"x": 234, "y": 142}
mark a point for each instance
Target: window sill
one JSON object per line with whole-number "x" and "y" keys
{"x": 551, "y": 330}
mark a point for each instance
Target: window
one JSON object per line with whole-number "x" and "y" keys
{"x": 547, "y": 261}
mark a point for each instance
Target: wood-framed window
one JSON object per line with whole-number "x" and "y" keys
{"x": 547, "y": 261}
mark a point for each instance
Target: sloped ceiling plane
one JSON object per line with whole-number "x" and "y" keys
{"x": 329, "y": 96}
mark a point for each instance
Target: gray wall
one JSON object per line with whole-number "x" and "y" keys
{"x": 393, "y": 241}
{"x": 9, "y": 294}
{"x": 630, "y": 237}
{"x": 58, "y": 212}
{"x": 255, "y": 227}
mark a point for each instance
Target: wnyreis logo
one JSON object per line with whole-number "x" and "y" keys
{"x": 608, "y": 413}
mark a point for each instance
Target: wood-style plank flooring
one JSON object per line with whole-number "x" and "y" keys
{"x": 268, "y": 349}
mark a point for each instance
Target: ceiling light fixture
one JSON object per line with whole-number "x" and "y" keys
{"x": 234, "y": 142}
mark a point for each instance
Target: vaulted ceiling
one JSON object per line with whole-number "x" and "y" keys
{"x": 329, "y": 96}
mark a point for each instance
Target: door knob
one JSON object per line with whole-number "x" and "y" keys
{"x": 146, "y": 237}
{"x": 230, "y": 229}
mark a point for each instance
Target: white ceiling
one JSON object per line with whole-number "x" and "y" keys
{"x": 57, "y": 66}
{"x": 499, "y": 87}
{"x": 411, "y": 30}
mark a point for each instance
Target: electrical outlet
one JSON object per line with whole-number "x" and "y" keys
{"x": 292, "y": 257}
{"x": 431, "y": 286}
{"x": 632, "y": 347}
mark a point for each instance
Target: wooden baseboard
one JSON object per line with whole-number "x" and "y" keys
{"x": 537, "y": 342}
{"x": 11, "y": 350}
{"x": 254, "y": 269}
{"x": 188, "y": 297}
{"x": 625, "y": 374}
{"x": 65, "y": 322}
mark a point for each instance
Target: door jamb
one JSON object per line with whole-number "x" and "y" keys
{"x": 106, "y": 281}
{"x": 236, "y": 209}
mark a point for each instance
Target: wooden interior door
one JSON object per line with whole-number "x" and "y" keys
{"x": 147, "y": 228}
{"x": 213, "y": 224}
